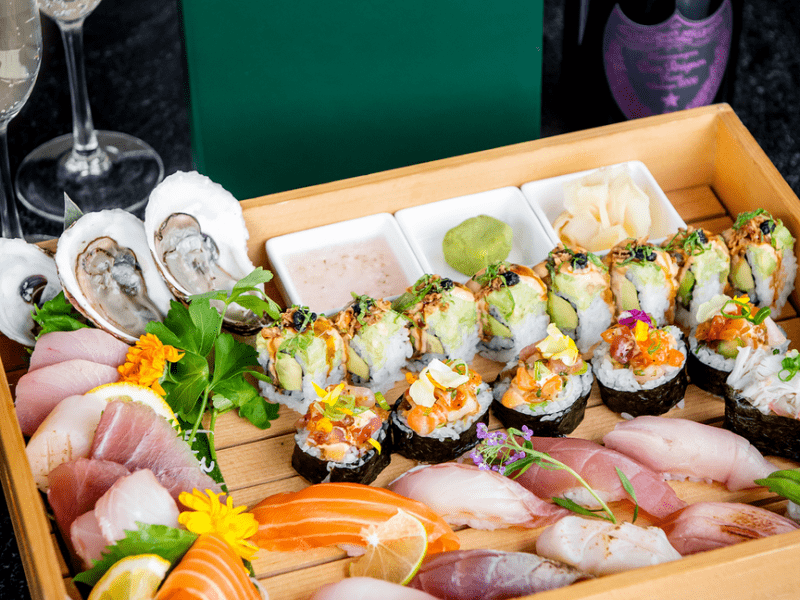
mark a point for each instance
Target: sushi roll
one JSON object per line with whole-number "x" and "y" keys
{"x": 547, "y": 389}
{"x": 763, "y": 264}
{"x": 343, "y": 436}
{"x": 762, "y": 400}
{"x": 512, "y": 305}
{"x": 703, "y": 265}
{"x": 301, "y": 349}
{"x": 643, "y": 278}
{"x": 640, "y": 368}
{"x": 437, "y": 417}
{"x": 726, "y": 326}
{"x": 579, "y": 298}
{"x": 443, "y": 320}
{"x": 378, "y": 344}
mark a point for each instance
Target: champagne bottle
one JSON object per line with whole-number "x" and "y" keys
{"x": 625, "y": 59}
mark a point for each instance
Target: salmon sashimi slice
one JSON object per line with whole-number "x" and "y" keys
{"x": 330, "y": 514}
{"x": 89, "y": 344}
{"x": 210, "y": 570}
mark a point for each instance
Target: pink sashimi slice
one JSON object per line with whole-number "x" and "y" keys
{"x": 368, "y": 588}
{"x": 87, "y": 539}
{"x": 463, "y": 494}
{"x": 134, "y": 435}
{"x": 707, "y": 525}
{"x": 597, "y": 465}
{"x": 39, "y": 391}
{"x": 680, "y": 448}
{"x": 89, "y": 344}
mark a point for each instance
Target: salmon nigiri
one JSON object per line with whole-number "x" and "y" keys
{"x": 329, "y": 514}
{"x": 209, "y": 570}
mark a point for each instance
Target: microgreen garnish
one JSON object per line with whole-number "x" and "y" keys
{"x": 641, "y": 253}
{"x": 789, "y": 365}
{"x": 361, "y": 306}
{"x": 512, "y": 454}
{"x": 427, "y": 284}
{"x": 57, "y": 314}
{"x": 785, "y": 482}
{"x": 490, "y": 273}
{"x": 746, "y": 216}
{"x": 743, "y": 302}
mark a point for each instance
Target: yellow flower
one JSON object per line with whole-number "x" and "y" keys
{"x": 558, "y": 346}
{"x": 146, "y": 361}
{"x": 209, "y": 515}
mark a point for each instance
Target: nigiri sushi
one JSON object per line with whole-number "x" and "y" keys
{"x": 330, "y": 514}
{"x": 682, "y": 449}
{"x": 367, "y": 588}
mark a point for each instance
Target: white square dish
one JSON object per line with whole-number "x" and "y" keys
{"x": 546, "y": 199}
{"x": 425, "y": 227}
{"x": 320, "y": 267}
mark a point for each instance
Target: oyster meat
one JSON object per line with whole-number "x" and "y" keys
{"x": 28, "y": 278}
{"x": 108, "y": 274}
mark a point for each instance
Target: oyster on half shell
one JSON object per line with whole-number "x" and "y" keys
{"x": 108, "y": 274}
{"x": 198, "y": 239}
{"x": 28, "y": 278}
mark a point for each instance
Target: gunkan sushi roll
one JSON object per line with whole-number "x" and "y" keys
{"x": 763, "y": 264}
{"x": 378, "y": 344}
{"x": 579, "y": 299}
{"x": 343, "y": 436}
{"x": 703, "y": 265}
{"x": 436, "y": 419}
{"x": 639, "y": 367}
{"x": 443, "y": 320}
{"x": 512, "y": 304}
{"x": 301, "y": 349}
{"x": 643, "y": 277}
{"x": 727, "y": 325}
{"x": 762, "y": 400}
{"x": 547, "y": 389}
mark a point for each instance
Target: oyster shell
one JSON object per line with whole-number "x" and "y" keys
{"x": 198, "y": 239}
{"x": 108, "y": 274}
{"x": 28, "y": 278}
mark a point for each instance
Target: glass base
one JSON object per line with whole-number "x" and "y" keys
{"x": 43, "y": 177}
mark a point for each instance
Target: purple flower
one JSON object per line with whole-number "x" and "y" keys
{"x": 630, "y": 317}
{"x": 527, "y": 433}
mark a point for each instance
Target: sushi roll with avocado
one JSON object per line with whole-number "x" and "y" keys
{"x": 343, "y": 436}
{"x": 703, "y": 265}
{"x": 547, "y": 389}
{"x": 443, "y": 320}
{"x": 300, "y": 350}
{"x": 512, "y": 304}
{"x": 726, "y": 326}
{"x": 643, "y": 277}
{"x": 762, "y": 400}
{"x": 639, "y": 367}
{"x": 579, "y": 299}
{"x": 763, "y": 264}
{"x": 378, "y": 344}
{"x": 436, "y": 419}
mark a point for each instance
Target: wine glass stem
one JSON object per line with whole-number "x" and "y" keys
{"x": 9, "y": 218}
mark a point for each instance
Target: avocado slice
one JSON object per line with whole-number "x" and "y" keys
{"x": 502, "y": 300}
{"x": 628, "y": 296}
{"x": 782, "y": 237}
{"x": 561, "y": 312}
{"x": 742, "y": 276}
{"x": 434, "y": 344}
{"x": 357, "y": 365}
{"x": 497, "y": 328}
{"x": 728, "y": 348}
{"x": 685, "y": 289}
{"x": 290, "y": 373}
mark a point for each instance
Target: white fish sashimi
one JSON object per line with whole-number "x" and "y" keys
{"x": 680, "y": 448}
{"x": 463, "y": 494}
{"x": 367, "y": 588}
{"x": 601, "y": 547}
{"x": 86, "y": 343}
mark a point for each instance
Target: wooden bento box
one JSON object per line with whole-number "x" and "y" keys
{"x": 710, "y": 167}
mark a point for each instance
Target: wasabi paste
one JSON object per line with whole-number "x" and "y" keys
{"x": 477, "y": 243}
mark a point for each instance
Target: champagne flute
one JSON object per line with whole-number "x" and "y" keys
{"x": 97, "y": 169}
{"x": 20, "y": 57}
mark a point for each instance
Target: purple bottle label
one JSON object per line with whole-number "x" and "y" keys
{"x": 677, "y": 64}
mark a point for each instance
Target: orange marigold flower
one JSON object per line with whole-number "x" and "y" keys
{"x": 146, "y": 362}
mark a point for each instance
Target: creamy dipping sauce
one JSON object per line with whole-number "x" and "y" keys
{"x": 325, "y": 277}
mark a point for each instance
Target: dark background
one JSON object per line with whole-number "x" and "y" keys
{"x": 136, "y": 72}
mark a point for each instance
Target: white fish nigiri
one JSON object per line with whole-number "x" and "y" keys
{"x": 601, "y": 547}
{"x": 680, "y": 449}
{"x": 367, "y": 588}
{"x": 463, "y": 494}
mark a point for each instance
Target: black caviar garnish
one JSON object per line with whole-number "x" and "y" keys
{"x": 510, "y": 278}
{"x": 767, "y": 227}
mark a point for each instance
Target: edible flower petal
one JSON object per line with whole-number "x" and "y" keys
{"x": 640, "y": 331}
{"x": 146, "y": 362}
{"x": 558, "y": 346}
{"x": 209, "y": 515}
{"x": 329, "y": 397}
{"x": 631, "y": 317}
{"x": 437, "y": 374}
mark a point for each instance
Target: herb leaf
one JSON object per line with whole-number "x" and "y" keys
{"x": 628, "y": 487}
{"x": 57, "y": 314}
{"x": 785, "y": 483}
{"x": 259, "y": 412}
{"x": 577, "y": 508}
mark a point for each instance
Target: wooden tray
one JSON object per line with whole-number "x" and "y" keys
{"x": 709, "y": 166}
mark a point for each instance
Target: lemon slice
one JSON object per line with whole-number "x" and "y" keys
{"x": 130, "y": 392}
{"x": 395, "y": 549}
{"x": 132, "y": 578}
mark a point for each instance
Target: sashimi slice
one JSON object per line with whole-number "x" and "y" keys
{"x": 39, "y": 391}
{"x": 87, "y": 539}
{"x": 491, "y": 575}
{"x": 367, "y": 588}
{"x": 133, "y": 435}
{"x": 680, "y": 448}
{"x": 708, "y": 525}
{"x": 87, "y": 343}
{"x": 330, "y": 514}
{"x": 597, "y": 465}
{"x": 463, "y": 494}
{"x": 209, "y": 570}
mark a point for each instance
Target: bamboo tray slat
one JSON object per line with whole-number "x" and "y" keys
{"x": 709, "y": 166}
